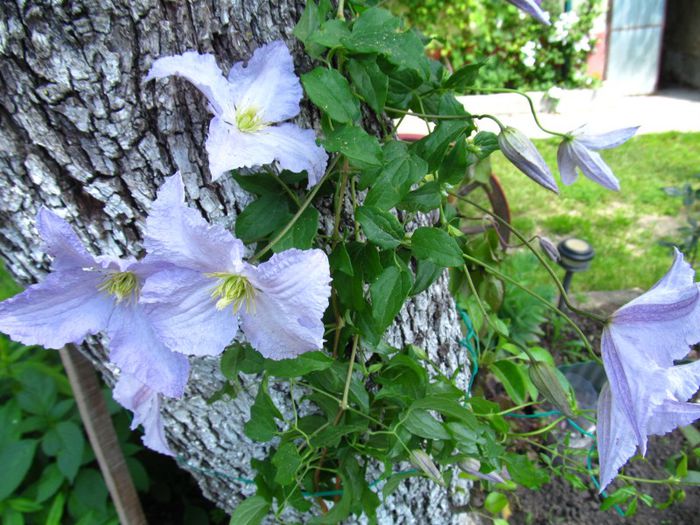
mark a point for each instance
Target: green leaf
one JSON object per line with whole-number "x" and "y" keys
{"x": 88, "y": 493}
{"x": 361, "y": 149}
{"x": 523, "y": 472}
{"x": 618, "y": 497}
{"x": 251, "y": 511}
{"x": 464, "y": 77}
{"x": 380, "y": 227}
{"x": 394, "y": 481}
{"x": 371, "y": 83}
{"x": 421, "y": 423}
{"x": 308, "y": 24}
{"x": 38, "y": 394}
{"x": 302, "y": 233}
{"x": 230, "y": 362}
{"x": 341, "y": 509}
{"x": 15, "y": 458}
{"x": 12, "y": 517}
{"x": 446, "y": 406}
{"x": 330, "y": 436}
{"x": 454, "y": 166}
{"x": 425, "y": 198}
{"x": 262, "y": 217}
{"x": 330, "y": 92}
{"x": 436, "y": 246}
{"x": 486, "y": 143}
{"x": 433, "y": 147}
{"x": 511, "y": 377}
{"x": 376, "y": 31}
{"x": 330, "y": 33}
{"x": 261, "y": 426}
{"x": 495, "y": 502}
{"x": 299, "y": 366}
{"x": 388, "y": 294}
{"x": 56, "y": 510}
{"x": 287, "y": 461}
{"x": 426, "y": 274}
{"x": 50, "y": 481}
{"x": 394, "y": 182}
{"x": 340, "y": 260}
{"x": 261, "y": 183}
{"x": 70, "y": 454}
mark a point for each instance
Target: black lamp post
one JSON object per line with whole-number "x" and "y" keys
{"x": 575, "y": 256}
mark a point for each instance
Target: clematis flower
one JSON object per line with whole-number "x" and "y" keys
{"x": 580, "y": 152}
{"x": 520, "y": 150}
{"x": 196, "y": 306}
{"x": 144, "y": 402}
{"x": 85, "y": 295}
{"x": 648, "y": 394}
{"x": 246, "y": 106}
{"x": 532, "y": 8}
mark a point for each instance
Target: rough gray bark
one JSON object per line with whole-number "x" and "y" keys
{"x": 82, "y": 134}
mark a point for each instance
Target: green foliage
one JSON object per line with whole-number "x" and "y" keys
{"x": 512, "y": 49}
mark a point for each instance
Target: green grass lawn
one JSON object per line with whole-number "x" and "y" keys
{"x": 623, "y": 227}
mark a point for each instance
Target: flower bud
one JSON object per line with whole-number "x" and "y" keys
{"x": 550, "y": 249}
{"x": 424, "y": 462}
{"x": 524, "y": 155}
{"x": 545, "y": 378}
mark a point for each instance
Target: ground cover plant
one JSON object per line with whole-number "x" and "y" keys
{"x": 303, "y": 304}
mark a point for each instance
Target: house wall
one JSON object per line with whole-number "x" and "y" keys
{"x": 681, "y": 55}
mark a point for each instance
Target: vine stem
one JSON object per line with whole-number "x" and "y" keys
{"x": 532, "y": 109}
{"x": 541, "y": 299}
{"x": 351, "y": 365}
{"x": 541, "y": 259}
{"x": 298, "y": 214}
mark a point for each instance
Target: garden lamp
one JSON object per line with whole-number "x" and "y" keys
{"x": 575, "y": 256}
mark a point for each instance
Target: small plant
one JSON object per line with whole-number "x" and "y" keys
{"x": 690, "y": 233}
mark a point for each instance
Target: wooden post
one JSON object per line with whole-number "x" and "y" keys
{"x": 103, "y": 438}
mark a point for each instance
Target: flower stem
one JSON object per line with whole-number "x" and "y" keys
{"x": 541, "y": 299}
{"x": 541, "y": 259}
{"x": 346, "y": 390}
{"x": 298, "y": 214}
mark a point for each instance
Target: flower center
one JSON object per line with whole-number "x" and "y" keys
{"x": 233, "y": 290}
{"x": 122, "y": 285}
{"x": 248, "y": 120}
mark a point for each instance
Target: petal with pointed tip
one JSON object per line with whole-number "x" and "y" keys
{"x": 267, "y": 83}
{"x": 136, "y": 350}
{"x": 524, "y": 155}
{"x": 532, "y": 8}
{"x": 64, "y": 308}
{"x": 145, "y": 405}
{"x": 179, "y": 234}
{"x": 615, "y": 438}
{"x": 611, "y": 139}
{"x": 593, "y": 166}
{"x": 204, "y": 73}
{"x": 61, "y": 242}
{"x": 292, "y": 295}
{"x": 566, "y": 164}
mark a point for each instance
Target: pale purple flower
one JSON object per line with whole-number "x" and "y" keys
{"x": 648, "y": 394}
{"x": 520, "y": 150}
{"x": 196, "y": 306}
{"x": 245, "y": 107}
{"x": 580, "y": 152}
{"x": 144, "y": 402}
{"x": 85, "y": 295}
{"x": 532, "y": 8}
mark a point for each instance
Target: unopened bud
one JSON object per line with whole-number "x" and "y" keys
{"x": 524, "y": 155}
{"x": 550, "y": 249}
{"x": 472, "y": 466}
{"x": 545, "y": 378}
{"x": 424, "y": 462}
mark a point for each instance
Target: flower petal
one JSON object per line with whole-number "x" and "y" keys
{"x": 671, "y": 415}
{"x": 567, "y": 167}
{"x": 520, "y": 150}
{"x": 267, "y": 83}
{"x": 608, "y": 140}
{"x": 204, "y": 73}
{"x": 64, "y": 308}
{"x": 615, "y": 438}
{"x": 593, "y": 166}
{"x": 532, "y": 8}
{"x": 61, "y": 242}
{"x": 184, "y": 315}
{"x": 294, "y": 148}
{"x": 145, "y": 405}
{"x": 180, "y": 235}
{"x": 293, "y": 292}
{"x": 136, "y": 350}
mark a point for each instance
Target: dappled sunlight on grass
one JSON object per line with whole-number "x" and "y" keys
{"x": 623, "y": 227}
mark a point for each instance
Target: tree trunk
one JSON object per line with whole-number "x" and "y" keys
{"x": 82, "y": 134}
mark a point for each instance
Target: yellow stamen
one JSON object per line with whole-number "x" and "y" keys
{"x": 248, "y": 120}
{"x": 122, "y": 285}
{"x": 233, "y": 290}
